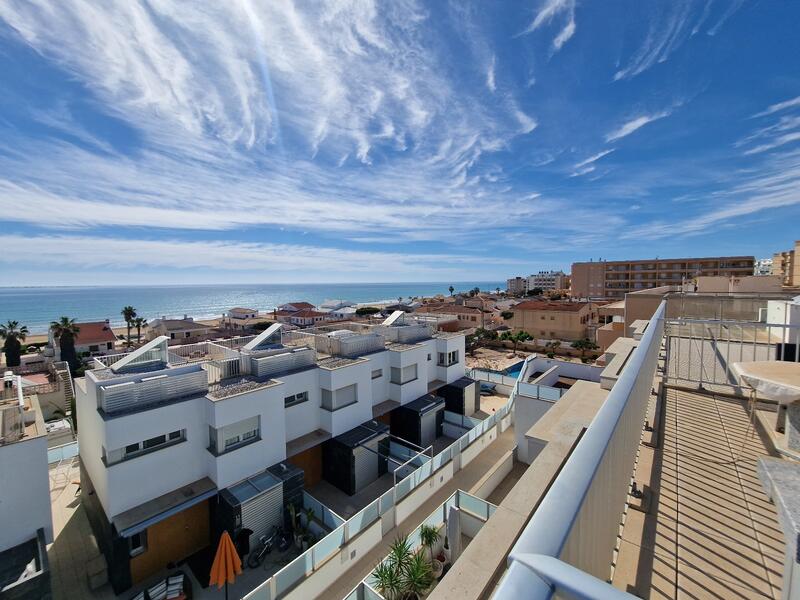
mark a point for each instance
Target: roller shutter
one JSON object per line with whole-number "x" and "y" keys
{"x": 262, "y": 512}
{"x": 365, "y": 465}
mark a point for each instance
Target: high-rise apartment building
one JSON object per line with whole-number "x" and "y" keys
{"x": 785, "y": 265}
{"x": 548, "y": 281}
{"x": 613, "y": 279}
{"x": 517, "y": 286}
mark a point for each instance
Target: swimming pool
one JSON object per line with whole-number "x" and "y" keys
{"x": 514, "y": 370}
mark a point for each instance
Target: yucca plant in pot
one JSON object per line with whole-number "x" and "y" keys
{"x": 429, "y": 536}
{"x": 417, "y": 577}
{"x": 390, "y": 574}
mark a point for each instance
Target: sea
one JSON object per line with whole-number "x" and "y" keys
{"x": 36, "y": 307}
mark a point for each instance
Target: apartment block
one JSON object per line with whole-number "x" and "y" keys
{"x": 613, "y": 279}
{"x": 786, "y": 266}
{"x": 517, "y": 286}
{"x": 548, "y": 281}
{"x": 568, "y": 321}
{"x": 200, "y": 435}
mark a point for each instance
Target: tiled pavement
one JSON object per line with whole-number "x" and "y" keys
{"x": 710, "y": 531}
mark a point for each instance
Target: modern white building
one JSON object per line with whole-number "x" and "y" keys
{"x": 763, "y": 266}
{"x": 164, "y": 430}
{"x": 26, "y": 524}
{"x": 547, "y": 281}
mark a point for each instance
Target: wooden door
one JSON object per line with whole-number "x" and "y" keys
{"x": 173, "y": 539}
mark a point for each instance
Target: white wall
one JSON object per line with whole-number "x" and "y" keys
{"x": 304, "y": 418}
{"x": 380, "y": 386}
{"x": 527, "y": 411}
{"x": 132, "y": 482}
{"x": 24, "y": 492}
{"x": 238, "y": 463}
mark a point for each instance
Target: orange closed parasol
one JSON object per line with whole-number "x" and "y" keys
{"x": 227, "y": 564}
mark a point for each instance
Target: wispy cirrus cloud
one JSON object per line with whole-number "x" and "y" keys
{"x": 550, "y": 10}
{"x": 490, "y": 75}
{"x": 779, "y": 106}
{"x": 594, "y": 158}
{"x": 635, "y": 124}
{"x": 670, "y": 25}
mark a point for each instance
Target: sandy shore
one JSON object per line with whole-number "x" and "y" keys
{"x": 41, "y": 338}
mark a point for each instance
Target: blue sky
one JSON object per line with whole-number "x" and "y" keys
{"x": 249, "y": 141}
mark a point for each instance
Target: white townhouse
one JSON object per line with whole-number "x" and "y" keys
{"x": 197, "y": 434}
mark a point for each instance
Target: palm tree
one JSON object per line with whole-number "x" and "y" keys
{"x": 428, "y": 536}
{"x": 65, "y": 330}
{"x": 13, "y": 335}
{"x": 129, "y": 314}
{"x": 497, "y": 290}
{"x": 451, "y": 289}
{"x": 139, "y": 322}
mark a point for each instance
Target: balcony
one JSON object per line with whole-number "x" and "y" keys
{"x": 703, "y": 527}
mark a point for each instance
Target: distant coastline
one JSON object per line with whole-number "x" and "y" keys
{"x": 37, "y": 306}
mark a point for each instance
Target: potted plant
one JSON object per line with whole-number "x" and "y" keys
{"x": 297, "y": 528}
{"x": 417, "y": 578}
{"x": 387, "y": 580}
{"x": 429, "y": 536}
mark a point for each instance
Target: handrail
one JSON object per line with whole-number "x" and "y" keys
{"x": 568, "y": 581}
{"x": 605, "y": 456}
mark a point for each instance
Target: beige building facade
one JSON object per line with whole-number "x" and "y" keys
{"x": 568, "y": 321}
{"x": 786, "y": 266}
{"x": 613, "y": 279}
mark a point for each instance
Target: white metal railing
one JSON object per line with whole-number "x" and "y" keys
{"x": 578, "y": 519}
{"x": 702, "y": 351}
{"x": 477, "y": 507}
{"x": 309, "y": 562}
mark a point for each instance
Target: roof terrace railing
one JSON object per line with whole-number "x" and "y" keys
{"x": 577, "y": 522}
{"x": 310, "y": 562}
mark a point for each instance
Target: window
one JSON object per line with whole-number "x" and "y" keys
{"x": 248, "y": 435}
{"x": 94, "y": 348}
{"x": 404, "y": 375}
{"x": 137, "y": 543}
{"x": 377, "y": 373}
{"x": 172, "y": 336}
{"x": 153, "y": 442}
{"x": 187, "y": 334}
{"x": 298, "y": 398}
{"x": 429, "y": 357}
{"x": 145, "y": 447}
{"x": 334, "y": 400}
{"x": 448, "y": 359}
{"x": 552, "y": 318}
{"x": 110, "y": 346}
{"x": 231, "y": 441}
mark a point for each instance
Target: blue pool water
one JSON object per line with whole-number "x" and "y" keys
{"x": 514, "y": 370}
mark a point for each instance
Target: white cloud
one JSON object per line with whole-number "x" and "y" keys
{"x": 526, "y": 122}
{"x": 252, "y": 114}
{"x": 254, "y": 258}
{"x": 594, "y": 158}
{"x": 780, "y": 140}
{"x": 549, "y": 10}
{"x": 490, "y": 73}
{"x": 629, "y": 127}
{"x": 773, "y": 108}
{"x": 668, "y": 28}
